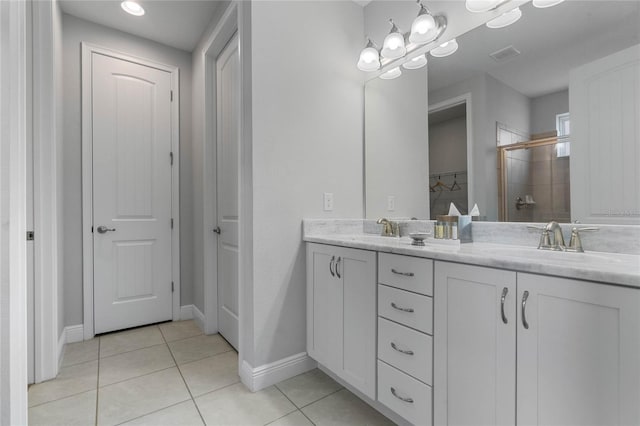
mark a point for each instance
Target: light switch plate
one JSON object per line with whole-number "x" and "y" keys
{"x": 328, "y": 201}
{"x": 391, "y": 203}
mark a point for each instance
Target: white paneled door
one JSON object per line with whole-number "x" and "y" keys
{"x": 228, "y": 143}
{"x": 131, "y": 113}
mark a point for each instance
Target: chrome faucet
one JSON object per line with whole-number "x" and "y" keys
{"x": 550, "y": 229}
{"x": 575, "y": 244}
{"x": 389, "y": 228}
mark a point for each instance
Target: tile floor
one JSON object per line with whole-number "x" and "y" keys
{"x": 172, "y": 374}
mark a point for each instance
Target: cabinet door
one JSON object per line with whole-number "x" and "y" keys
{"x": 579, "y": 358}
{"x": 474, "y": 375}
{"x": 357, "y": 269}
{"x": 324, "y": 306}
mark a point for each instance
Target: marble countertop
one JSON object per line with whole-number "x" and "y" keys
{"x": 611, "y": 268}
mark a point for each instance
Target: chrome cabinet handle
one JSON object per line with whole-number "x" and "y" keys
{"x": 394, "y": 306}
{"x": 404, "y": 274}
{"x": 525, "y": 296}
{"x": 402, "y": 351}
{"x": 338, "y": 266}
{"x": 504, "y": 295}
{"x": 333, "y": 258}
{"x": 393, "y": 392}
{"x": 217, "y": 230}
{"x": 103, "y": 229}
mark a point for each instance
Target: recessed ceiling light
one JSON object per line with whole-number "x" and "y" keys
{"x": 132, "y": 8}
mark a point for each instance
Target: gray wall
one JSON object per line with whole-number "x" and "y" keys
{"x": 195, "y": 223}
{"x": 491, "y": 102}
{"x": 544, "y": 110}
{"x": 74, "y": 32}
{"x": 397, "y": 148}
{"x": 307, "y": 139}
{"x": 448, "y": 146}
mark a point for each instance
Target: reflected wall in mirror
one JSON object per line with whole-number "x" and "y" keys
{"x": 524, "y": 78}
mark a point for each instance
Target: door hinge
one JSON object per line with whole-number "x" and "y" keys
{"x": 171, "y": 158}
{"x": 172, "y": 287}
{"x": 30, "y": 235}
{"x": 171, "y": 95}
{"x": 171, "y": 223}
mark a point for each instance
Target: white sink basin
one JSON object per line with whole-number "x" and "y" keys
{"x": 548, "y": 255}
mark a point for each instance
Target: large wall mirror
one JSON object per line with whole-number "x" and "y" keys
{"x": 536, "y": 121}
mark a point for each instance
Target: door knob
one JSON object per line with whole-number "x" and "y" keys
{"x": 103, "y": 229}
{"x": 217, "y": 230}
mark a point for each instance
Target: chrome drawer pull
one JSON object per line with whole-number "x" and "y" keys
{"x": 504, "y": 295}
{"x": 525, "y": 296}
{"x": 402, "y": 351}
{"x": 333, "y": 258}
{"x": 409, "y": 400}
{"x": 338, "y": 266}
{"x": 404, "y": 274}
{"x": 394, "y": 306}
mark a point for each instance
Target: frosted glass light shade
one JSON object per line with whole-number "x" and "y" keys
{"x": 391, "y": 74}
{"x": 415, "y": 63}
{"x": 546, "y": 3}
{"x": 132, "y": 8}
{"x": 423, "y": 29}
{"x": 505, "y": 19}
{"x": 393, "y": 47}
{"x": 479, "y": 6}
{"x": 445, "y": 49}
{"x": 369, "y": 59}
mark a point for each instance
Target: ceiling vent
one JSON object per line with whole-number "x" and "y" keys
{"x": 505, "y": 54}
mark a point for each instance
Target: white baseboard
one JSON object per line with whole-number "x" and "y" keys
{"x": 199, "y": 318}
{"x": 62, "y": 340}
{"x": 74, "y": 333}
{"x": 186, "y": 312}
{"x": 269, "y": 374}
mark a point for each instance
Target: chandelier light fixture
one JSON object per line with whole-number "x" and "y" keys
{"x": 369, "y": 58}
{"x": 505, "y": 19}
{"x": 546, "y": 3}
{"x": 445, "y": 49}
{"x": 393, "y": 46}
{"x": 415, "y": 63}
{"x": 479, "y": 6}
{"x": 391, "y": 74}
{"x": 426, "y": 28}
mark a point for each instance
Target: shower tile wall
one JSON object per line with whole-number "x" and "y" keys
{"x": 539, "y": 172}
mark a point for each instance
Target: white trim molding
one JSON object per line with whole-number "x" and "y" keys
{"x": 70, "y": 334}
{"x": 15, "y": 125}
{"x": 186, "y": 312}
{"x": 87, "y": 178}
{"x": 199, "y": 319}
{"x": 269, "y": 374}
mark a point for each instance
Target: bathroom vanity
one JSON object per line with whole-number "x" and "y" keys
{"x": 477, "y": 334}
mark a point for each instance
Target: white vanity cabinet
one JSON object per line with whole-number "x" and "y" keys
{"x": 576, "y": 359}
{"x": 474, "y": 375}
{"x": 579, "y": 358}
{"x": 341, "y": 313}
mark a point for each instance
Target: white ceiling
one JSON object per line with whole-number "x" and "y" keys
{"x": 175, "y": 23}
{"x": 551, "y": 41}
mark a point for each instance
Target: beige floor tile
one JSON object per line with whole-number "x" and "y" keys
{"x": 294, "y": 419}
{"x": 140, "y": 396}
{"x": 71, "y": 380}
{"x": 179, "y": 330}
{"x": 309, "y": 387}
{"x": 211, "y": 373}
{"x": 195, "y": 348}
{"x": 344, "y": 408}
{"x": 132, "y": 364}
{"x": 75, "y": 410}
{"x": 77, "y": 353}
{"x": 183, "y": 414}
{"x": 130, "y": 340}
{"x": 236, "y": 405}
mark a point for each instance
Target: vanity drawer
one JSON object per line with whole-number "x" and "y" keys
{"x": 407, "y": 308}
{"x": 393, "y": 385}
{"x": 406, "y": 272}
{"x": 395, "y": 340}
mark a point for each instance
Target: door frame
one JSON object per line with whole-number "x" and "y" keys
{"x": 223, "y": 33}
{"x": 87, "y": 179}
{"x": 449, "y": 103}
